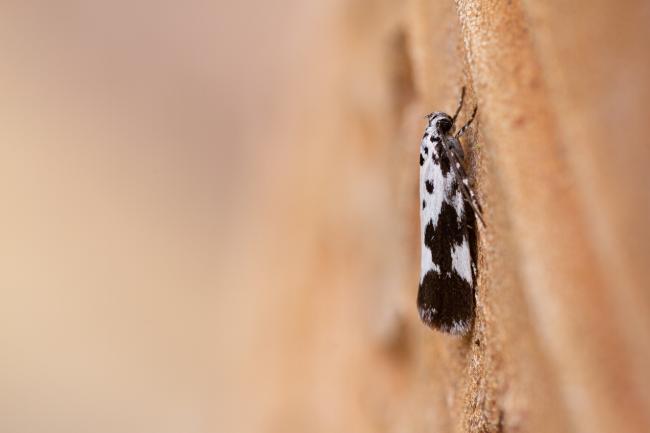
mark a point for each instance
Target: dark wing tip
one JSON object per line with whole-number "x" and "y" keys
{"x": 429, "y": 317}
{"x": 446, "y": 303}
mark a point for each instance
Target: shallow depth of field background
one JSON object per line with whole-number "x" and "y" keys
{"x": 209, "y": 216}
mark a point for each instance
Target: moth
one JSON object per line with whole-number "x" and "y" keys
{"x": 447, "y": 227}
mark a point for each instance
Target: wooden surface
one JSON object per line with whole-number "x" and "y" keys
{"x": 558, "y": 154}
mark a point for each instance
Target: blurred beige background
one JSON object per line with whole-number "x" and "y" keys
{"x": 132, "y": 137}
{"x": 210, "y": 218}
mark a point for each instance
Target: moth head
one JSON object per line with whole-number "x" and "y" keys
{"x": 441, "y": 121}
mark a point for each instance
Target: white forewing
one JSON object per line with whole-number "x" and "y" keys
{"x": 432, "y": 173}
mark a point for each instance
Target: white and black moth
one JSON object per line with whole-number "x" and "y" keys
{"x": 448, "y": 214}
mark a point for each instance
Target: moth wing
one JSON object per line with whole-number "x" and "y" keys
{"x": 446, "y": 291}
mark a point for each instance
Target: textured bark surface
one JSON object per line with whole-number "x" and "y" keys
{"x": 559, "y": 155}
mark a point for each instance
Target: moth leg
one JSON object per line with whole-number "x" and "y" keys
{"x": 460, "y": 105}
{"x": 462, "y": 130}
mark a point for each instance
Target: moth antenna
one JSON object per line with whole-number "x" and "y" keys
{"x": 460, "y": 105}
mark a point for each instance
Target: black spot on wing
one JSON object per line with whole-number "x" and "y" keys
{"x": 429, "y": 185}
{"x": 439, "y": 240}
{"x": 424, "y": 204}
{"x": 434, "y": 157}
{"x": 439, "y": 155}
{"x": 443, "y": 159}
{"x": 421, "y": 160}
